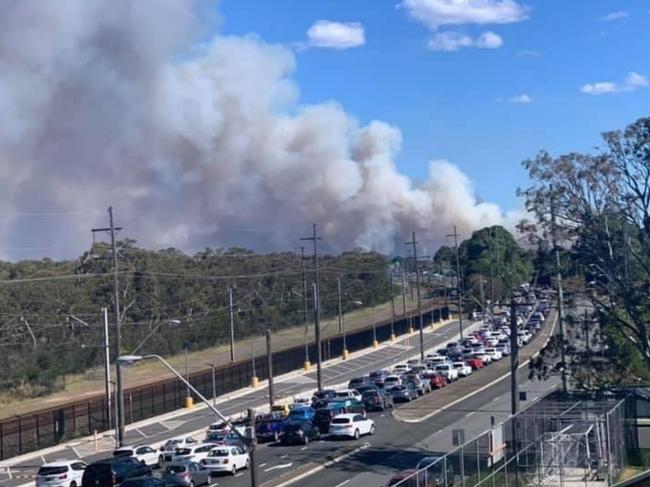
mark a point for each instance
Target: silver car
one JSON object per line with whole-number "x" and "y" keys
{"x": 190, "y": 474}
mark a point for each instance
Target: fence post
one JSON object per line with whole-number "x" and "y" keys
{"x": 462, "y": 465}
{"x": 609, "y": 450}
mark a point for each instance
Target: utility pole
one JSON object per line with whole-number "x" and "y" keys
{"x": 338, "y": 287}
{"x": 232, "y": 325}
{"x": 413, "y": 243}
{"x": 253, "y": 448}
{"x": 560, "y": 295}
{"x": 319, "y": 353}
{"x": 119, "y": 399}
{"x": 392, "y": 305}
{"x": 403, "y": 292}
{"x": 458, "y": 283}
{"x": 269, "y": 358}
{"x": 341, "y": 323}
{"x": 514, "y": 358}
{"x": 107, "y": 369}
{"x": 305, "y": 307}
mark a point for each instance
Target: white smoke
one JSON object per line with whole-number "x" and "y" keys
{"x": 110, "y": 102}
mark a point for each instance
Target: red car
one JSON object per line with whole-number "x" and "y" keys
{"x": 437, "y": 381}
{"x": 475, "y": 363}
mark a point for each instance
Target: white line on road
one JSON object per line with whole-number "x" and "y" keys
{"x": 278, "y": 467}
{"x": 303, "y": 448}
{"x": 263, "y": 464}
{"x": 343, "y": 483}
{"x": 496, "y": 398}
{"x": 469, "y": 414}
{"x": 323, "y": 466}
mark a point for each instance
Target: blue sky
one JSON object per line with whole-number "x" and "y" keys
{"x": 459, "y": 105}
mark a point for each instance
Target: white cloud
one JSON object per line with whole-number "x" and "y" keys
{"x": 489, "y": 40}
{"x": 528, "y": 53}
{"x": 452, "y": 41}
{"x": 618, "y": 15}
{"x": 336, "y": 35}
{"x": 523, "y": 99}
{"x": 633, "y": 81}
{"x": 436, "y": 13}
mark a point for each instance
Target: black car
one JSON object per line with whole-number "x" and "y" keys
{"x": 324, "y": 394}
{"x": 366, "y": 387}
{"x": 143, "y": 482}
{"x": 356, "y": 382}
{"x": 113, "y": 471}
{"x": 376, "y": 400}
{"x": 226, "y": 439}
{"x": 324, "y": 416}
{"x": 303, "y": 433}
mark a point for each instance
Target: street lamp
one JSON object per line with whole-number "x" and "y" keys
{"x": 250, "y": 441}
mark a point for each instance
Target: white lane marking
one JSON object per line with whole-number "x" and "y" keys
{"x": 239, "y": 474}
{"x": 263, "y": 464}
{"x": 303, "y": 448}
{"x": 213, "y": 485}
{"x": 496, "y": 398}
{"x": 323, "y": 466}
{"x": 469, "y": 414}
{"x": 343, "y": 483}
{"x": 284, "y": 456}
{"x": 278, "y": 467}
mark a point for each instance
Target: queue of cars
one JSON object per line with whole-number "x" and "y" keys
{"x": 490, "y": 343}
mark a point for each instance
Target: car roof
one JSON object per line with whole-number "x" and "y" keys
{"x": 346, "y": 415}
{"x": 60, "y": 463}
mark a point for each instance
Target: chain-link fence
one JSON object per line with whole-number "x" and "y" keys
{"x": 558, "y": 441}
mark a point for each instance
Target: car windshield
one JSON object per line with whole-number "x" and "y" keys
{"x": 183, "y": 451}
{"x": 368, "y": 394}
{"x": 217, "y": 437}
{"x": 174, "y": 469}
{"x": 52, "y": 470}
{"x": 122, "y": 453}
{"x": 340, "y": 420}
{"x": 292, "y": 428}
{"x": 219, "y": 453}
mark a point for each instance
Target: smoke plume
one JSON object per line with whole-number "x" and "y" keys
{"x": 112, "y": 102}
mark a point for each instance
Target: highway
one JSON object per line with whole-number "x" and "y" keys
{"x": 373, "y": 459}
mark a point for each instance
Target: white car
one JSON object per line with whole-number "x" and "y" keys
{"x": 493, "y": 353}
{"x": 347, "y": 394}
{"x": 503, "y": 348}
{"x": 434, "y": 362}
{"x": 193, "y": 453}
{"x": 448, "y": 371}
{"x": 392, "y": 381}
{"x": 226, "y": 459}
{"x": 487, "y": 359}
{"x": 401, "y": 369}
{"x": 61, "y": 473}
{"x": 167, "y": 449}
{"x": 145, "y": 454}
{"x": 463, "y": 369}
{"x": 351, "y": 425}
{"x": 413, "y": 361}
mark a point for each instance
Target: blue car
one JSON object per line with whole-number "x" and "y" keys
{"x": 301, "y": 414}
{"x": 270, "y": 428}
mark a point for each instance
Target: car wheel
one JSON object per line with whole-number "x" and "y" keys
{"x": 233, "y": 471}
{"x": 248, "y": 463}
{"x": 276, "y": 436}
{"x": 73, "y": 484}
{"x": 356, "y": 434}
{"x": 305, "y": 440}
{"x": 372, "y": 429}
{"x": 160, "y": 462}
{"x": 191, "y": 483}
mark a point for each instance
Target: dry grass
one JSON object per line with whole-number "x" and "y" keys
{"x": 91, "y": 382}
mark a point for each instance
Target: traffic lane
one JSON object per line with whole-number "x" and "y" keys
{"x": 192, "y": 421}
{"x": 398, "y": 446}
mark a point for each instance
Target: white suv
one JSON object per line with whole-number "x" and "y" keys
{"x": 448, "y": 371}
{"x": 144, "y": 454}
{"x": 62, "y": 473}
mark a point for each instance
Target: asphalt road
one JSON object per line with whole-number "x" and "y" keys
{"x": 365, "y": 463}
{"x": 157, "y": 431}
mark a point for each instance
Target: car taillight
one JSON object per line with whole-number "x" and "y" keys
{"x": 225, "y": 460}
{"x": 186, "y": 475}
{"x": 114, "y": 480}
{"x": 63, "y": 476}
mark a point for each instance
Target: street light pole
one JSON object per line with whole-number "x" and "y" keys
{"x": 458, "y": 283}
{"x": 392, "y": 306}
{"x": 269, "y": 358}
{"x": 107, "y": 369}
{"x": 251, "y": 442}
{"x": 319, "y": 352}
{"x": 417, "y": 284}
{"x": 232, "y": 325}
